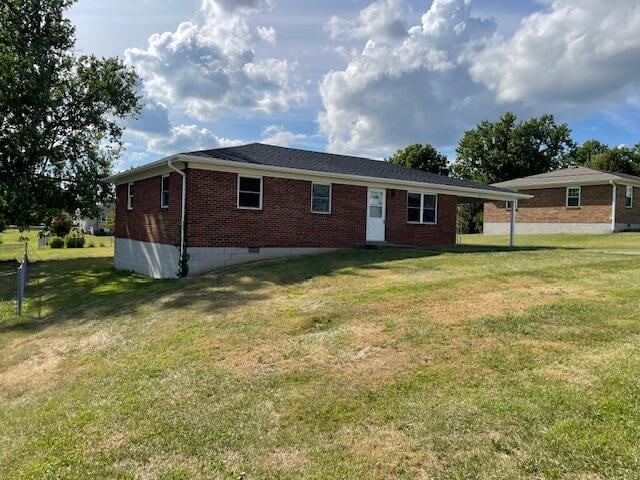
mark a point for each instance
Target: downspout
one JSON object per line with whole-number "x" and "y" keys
{"x": 614, "y": 198}
{"x": 183, "y": 208}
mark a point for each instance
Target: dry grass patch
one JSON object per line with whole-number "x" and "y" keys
{"x": 37, "y": 363}
{"x": 305, "y": 333}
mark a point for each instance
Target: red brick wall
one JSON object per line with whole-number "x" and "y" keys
{"x": 627, "y": 215}
{"x": 148, "y": 222}
{"x": 285, "y": 220}
{"x": 548, "y": 206}
{"x": 402, "y": 233}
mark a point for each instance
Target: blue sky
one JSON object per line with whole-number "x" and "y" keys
{"x": 366, "y": 77}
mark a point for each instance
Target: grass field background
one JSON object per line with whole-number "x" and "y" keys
{"x": 470, "y": 362}
{"x": 617, "y": 241}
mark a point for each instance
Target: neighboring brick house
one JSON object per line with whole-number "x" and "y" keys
{"x": 259, "y": 201}
{"x": 571, "y": 200}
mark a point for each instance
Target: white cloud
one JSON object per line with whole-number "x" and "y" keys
{"x": 381, "y": 19}
{"x": 411, "y": 89}
{"x": 574, "y": 54}
{"x": 209, "y": 64}
{"x": 229, "y": 6}
{"x": 267, "y": 34}
{"x": 186, "y": 138}
{"x": 278, "y": 135}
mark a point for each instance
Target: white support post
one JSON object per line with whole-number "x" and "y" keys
{"x": 614, "y": 198}
{"x": 512, "y": 231}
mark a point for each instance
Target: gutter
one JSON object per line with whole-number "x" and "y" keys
{"x": 183, "y": 209}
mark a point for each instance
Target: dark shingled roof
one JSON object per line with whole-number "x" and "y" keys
{"x": 261, "y": 154}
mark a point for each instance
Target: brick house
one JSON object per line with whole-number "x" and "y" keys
{"x": 231, "y": 205}
{"x": 571, "y": 200}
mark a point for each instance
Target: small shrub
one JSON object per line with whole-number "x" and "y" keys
{"x": 101, "y": 244}
{"x": 61, "y": 225}
{"x": 56, "y": 242}
{"x": 91, "y": 245}
{"x": 75, "y": 239}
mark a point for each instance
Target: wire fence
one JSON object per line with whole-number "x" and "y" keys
{"x": 19, "y": 292}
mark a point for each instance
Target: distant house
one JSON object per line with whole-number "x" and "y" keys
{"x": 237, "y": 204}
{"x": 96, "y": 225}
{"x": 571, "y": 200}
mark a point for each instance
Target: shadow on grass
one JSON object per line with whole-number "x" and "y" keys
{"x": 90, "y": 289}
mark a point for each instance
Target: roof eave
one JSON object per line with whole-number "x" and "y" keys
{"x": 566, "y": 183}
{"x": 467, "y": 192}
{"x": 135, "y": 171}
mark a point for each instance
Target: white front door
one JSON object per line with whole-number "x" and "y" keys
{"x": 376, "y": 214}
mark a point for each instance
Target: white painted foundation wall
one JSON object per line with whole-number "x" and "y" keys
{"x": 150, "y": 259}
{"x": 161, "y": 261}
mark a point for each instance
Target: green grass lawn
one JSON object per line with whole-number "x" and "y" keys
{"x": 616, "y": 241}
{"x": 12, "y": 247}
{"x": 473, "y": 362}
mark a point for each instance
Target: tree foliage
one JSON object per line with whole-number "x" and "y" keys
{"x": 110, "y": 222}
{"x": 584, "y": 153}
{"x": 508, "y": 148}
{"x": 421, "y": 157}
{"x": 61, "y": 225}
{"x": 619, "y": 159}
{"x": 60, "y": 114}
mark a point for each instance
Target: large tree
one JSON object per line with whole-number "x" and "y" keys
{"x": 508, "y": 148}
{"x": 584, "y": 153}
{"x": 619, "y": 159}
{"x": 60, "y": 114}
{"x": 421, "y": 157}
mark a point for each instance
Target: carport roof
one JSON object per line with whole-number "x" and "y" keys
{"x": 570, "y": 176}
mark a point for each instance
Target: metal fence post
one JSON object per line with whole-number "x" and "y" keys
{"x": 20, "y": 296}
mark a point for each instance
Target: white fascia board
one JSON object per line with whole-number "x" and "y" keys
{"x": 565, "y": 183}
{"x": 218, "y": 164}
{"x": 626, "y": 181}
{"x": 145, "y": 171}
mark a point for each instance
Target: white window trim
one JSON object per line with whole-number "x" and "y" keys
{"x": 421, "y": 222}
{"x": 129, "y": 196}
{"x": 507, "y": 203}
{"x": 626, "y": 195}
{"x": 330, "y": 197}
{"x": 162, "y": 205}
{"x": 566, "y": 202}
{"x": 238, "y": 192}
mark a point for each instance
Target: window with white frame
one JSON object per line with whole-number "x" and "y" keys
{"x": 573, "y": 197}
{"x": 250, "y": 192}
{"x": 629, "y": 197}
{"x": 321, "y": 197}
{"x": 508, "y": 205}
{"x": 130, "y": 196}
{"x": 164, "y": 197}
{"x": 422, "y": 208}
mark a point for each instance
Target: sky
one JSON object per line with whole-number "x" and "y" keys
{"x": 365, "y": 77}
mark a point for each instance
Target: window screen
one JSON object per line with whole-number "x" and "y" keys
{"x": 249, "y": 192}
{"x": 422, "y": 208}
{"x": 320, "y": 198}
{"x": 164, "y": 199}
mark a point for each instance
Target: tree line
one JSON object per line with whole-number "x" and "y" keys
{"x": 510, "y": 148}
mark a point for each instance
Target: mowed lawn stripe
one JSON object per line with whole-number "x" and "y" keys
{"x": 490, "y": 364}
